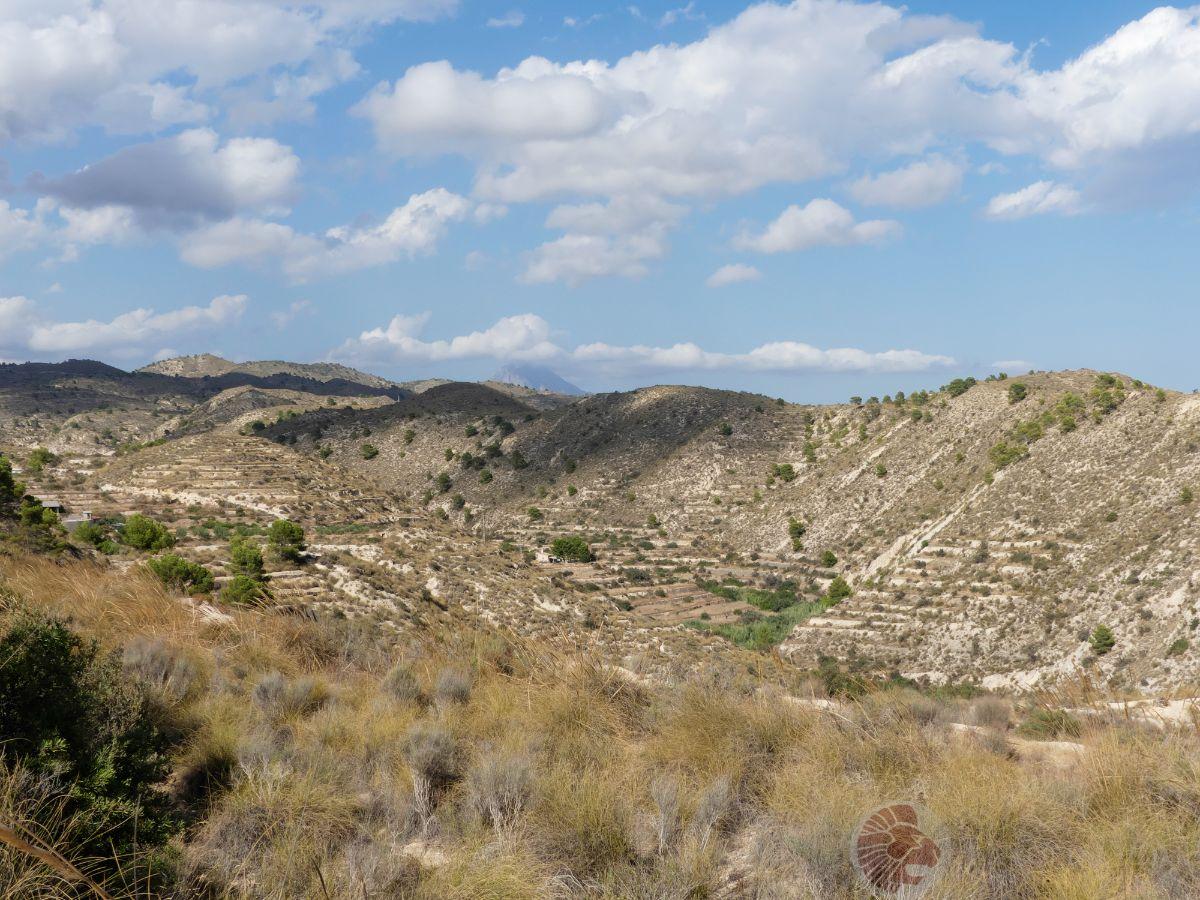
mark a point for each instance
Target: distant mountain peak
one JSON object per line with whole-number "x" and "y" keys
{"x": 536, "y": 378}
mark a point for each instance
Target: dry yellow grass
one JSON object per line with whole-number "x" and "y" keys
{"x": 297, "y": 763}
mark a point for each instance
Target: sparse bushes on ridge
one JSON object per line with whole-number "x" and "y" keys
{"x": 796, "y": 530}
{"x": 959, "y": 386}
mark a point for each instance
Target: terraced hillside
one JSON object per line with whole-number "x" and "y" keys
{"x": 980, "y": 532}
{"x": 985, "y": 530}
{"x": 372, "y": 554}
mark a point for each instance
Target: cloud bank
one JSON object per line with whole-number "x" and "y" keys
{"x": 528, "y": 337}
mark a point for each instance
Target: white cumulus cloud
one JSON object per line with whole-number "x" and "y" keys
{"x": 733, "y": 273}
{"x": 925, "y": 182}
{"x": 820, "y": 223}
{"x": 26, "y": 329}
{"x": 139, "y": 66}
{"x": 1039, "y": 198}
{"x": 410, "y": 230}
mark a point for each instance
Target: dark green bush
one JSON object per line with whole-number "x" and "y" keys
{"x": 839, "y": 589}
{"x": 181, "y": 574}
{"x": 286, "y": 539}
{"x": 243, "y": 590}
{"x": 1102, "y": 640}
{"x": 143, "y": 533}
{"x": 573, "y": 549}
{"x": 245, "y": 559}
{"x": 68, "y": 712}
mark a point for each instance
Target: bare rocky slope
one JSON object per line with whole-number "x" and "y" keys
{"x": 984, "y": 531}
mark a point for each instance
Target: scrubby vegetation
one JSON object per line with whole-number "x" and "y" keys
{"x": 314, "y": 758}
{"x": 783, "y": 605}
{"x": 143, "y": 533}
{"x": 286, "y": 540}
{"x": 572, "y": 548}
{"x": 181, "y": 574}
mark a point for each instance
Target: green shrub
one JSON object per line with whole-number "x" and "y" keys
{"x": 784, "y": 471}
{"x": 1178, "y": 646}
{"x": 35, "y": 515}
{"x": 245, "y": 559}
{"x": 486, "y": 476}
{"x": 11, "y": 490}
{"x": 829, "y": 559}
{"x": 181, "y": 574}
{"x": 959, "y": 386}
{"x": 839, "y": 590}
{"x": 1017, "y": 391}
{"x": 444, "y": 482}
{"x": 1048, "y": 724}
{"x": 1004, "y": 454}
{"x": 90, "y": 533}
{"x": 39, "y": 459}
{"x": 286, "y": 539}
{"x": 68, "y": 712}
{"x": 243, "y": 590}
{"x": 573, "y": 549}
{"x": 368, "y": 451}
{"x": 725, "y": 429}
{"x": 796, "y": 530}
{"x": 143, "y": 533}
{"x": 1102, "y": 640}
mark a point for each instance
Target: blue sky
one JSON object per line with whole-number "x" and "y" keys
{"x": 811, "y": 200}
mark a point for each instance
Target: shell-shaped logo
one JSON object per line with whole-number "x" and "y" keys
{"x": 893, "y": 851}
